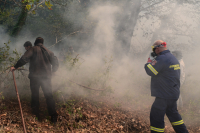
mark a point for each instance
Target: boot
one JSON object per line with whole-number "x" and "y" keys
{"x": 54, "y": 118}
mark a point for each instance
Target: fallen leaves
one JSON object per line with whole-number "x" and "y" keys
{"x": 80, "y": 117}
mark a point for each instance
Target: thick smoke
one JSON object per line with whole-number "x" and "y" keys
{"x": 104, "y": 35}
{"x": 127, "y": 79}
{"x": 129, "y": 83}
{"x": 99, "y": 67}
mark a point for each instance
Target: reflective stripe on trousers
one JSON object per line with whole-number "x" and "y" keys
{"x": 160, "y": 130}
{"x": 161, "y": 107}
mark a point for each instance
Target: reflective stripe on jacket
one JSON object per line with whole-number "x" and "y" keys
{"x": 165, "y": 76}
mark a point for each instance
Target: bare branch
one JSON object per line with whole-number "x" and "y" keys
{"x": 36, "y": 6}
{"x": 19, "y": 4}
{"x": 64, "y": 38}
{"x": 152, "y": 5}
{"x": 56, "y": 2}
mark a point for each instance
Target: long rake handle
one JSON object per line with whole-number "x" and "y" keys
{"x": 19, "y": 102}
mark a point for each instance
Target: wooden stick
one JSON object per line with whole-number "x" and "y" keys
{"x": 19, "y": 102}
{"x": 85, "y": 86}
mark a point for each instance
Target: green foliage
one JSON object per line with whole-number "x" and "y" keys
{"x": 1, "y": 96}
{"x": 51, "y": 23}
{"x": 7, "y": 18}
{"x": 72, "y": 64}
{"x": 31, "y": 4}
{"x": 15, "y": 17}
{"x": 58, "y": 23}
{"x": 7, "y": 59}
{"x": 48, "y": 4}
{"x": 28, "y": 7}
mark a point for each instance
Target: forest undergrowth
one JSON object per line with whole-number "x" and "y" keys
{"x": 80, "y": 108}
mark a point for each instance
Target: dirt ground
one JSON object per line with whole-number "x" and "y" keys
{"x": 80, "y": 115}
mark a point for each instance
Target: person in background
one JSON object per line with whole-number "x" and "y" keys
{"x": 70, "y": 51}
{"x": 62, "y": 54}
{"x": 43, "y": 64}
{"x": 164, "y": 70}
{"x": 27, "y": 45}
{"x": 178, "y": 55}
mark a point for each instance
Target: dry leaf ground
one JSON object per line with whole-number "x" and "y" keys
{"x": 78, "y": 115}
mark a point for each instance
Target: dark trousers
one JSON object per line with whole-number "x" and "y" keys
{"x": 45, "y": 84}
{"x": 161, "y": 107}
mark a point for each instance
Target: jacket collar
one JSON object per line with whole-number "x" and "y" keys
{"x": 39, "y": 44}
{"x": 163, "y": 52}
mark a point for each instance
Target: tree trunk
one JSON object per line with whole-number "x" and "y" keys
{"x": 21, "y": 21}
{"x": 159, "y": 31}
{"x": 127, "y": 24}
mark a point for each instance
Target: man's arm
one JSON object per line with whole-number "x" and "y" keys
{"x": 153, "y": 69}
{"x": 24, "y": 59}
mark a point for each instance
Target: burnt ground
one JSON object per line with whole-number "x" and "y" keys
{"x": 82, "y": 115}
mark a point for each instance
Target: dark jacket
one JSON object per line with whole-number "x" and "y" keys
{"x": 165, "y": 76}
{"x": 42, "y": 61}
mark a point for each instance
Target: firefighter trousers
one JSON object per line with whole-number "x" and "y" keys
{"x": 45, "y": 84}
{"x": 161, "y": 107}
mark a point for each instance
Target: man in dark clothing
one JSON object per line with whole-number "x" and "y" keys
{"x": 42, "y": 64}
{"x": 164, "y": 70}
{"x": 27, "y": 45}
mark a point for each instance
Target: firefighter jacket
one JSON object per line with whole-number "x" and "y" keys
{"x": 165, "y": 76}
{"x": 42, "y": 61}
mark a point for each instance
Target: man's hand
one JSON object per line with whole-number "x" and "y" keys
{"x": 12, "y": 69}
{"x": 151, "y": 57}
{"x": 149, "y": 60}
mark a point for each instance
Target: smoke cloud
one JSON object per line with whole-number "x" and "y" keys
{"x": 98, "y": 65}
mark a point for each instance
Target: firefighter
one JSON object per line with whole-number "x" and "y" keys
{"x": 179, "y": 57}
{"x": 164, "y": 70}
{"x": 43, "y": 64}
